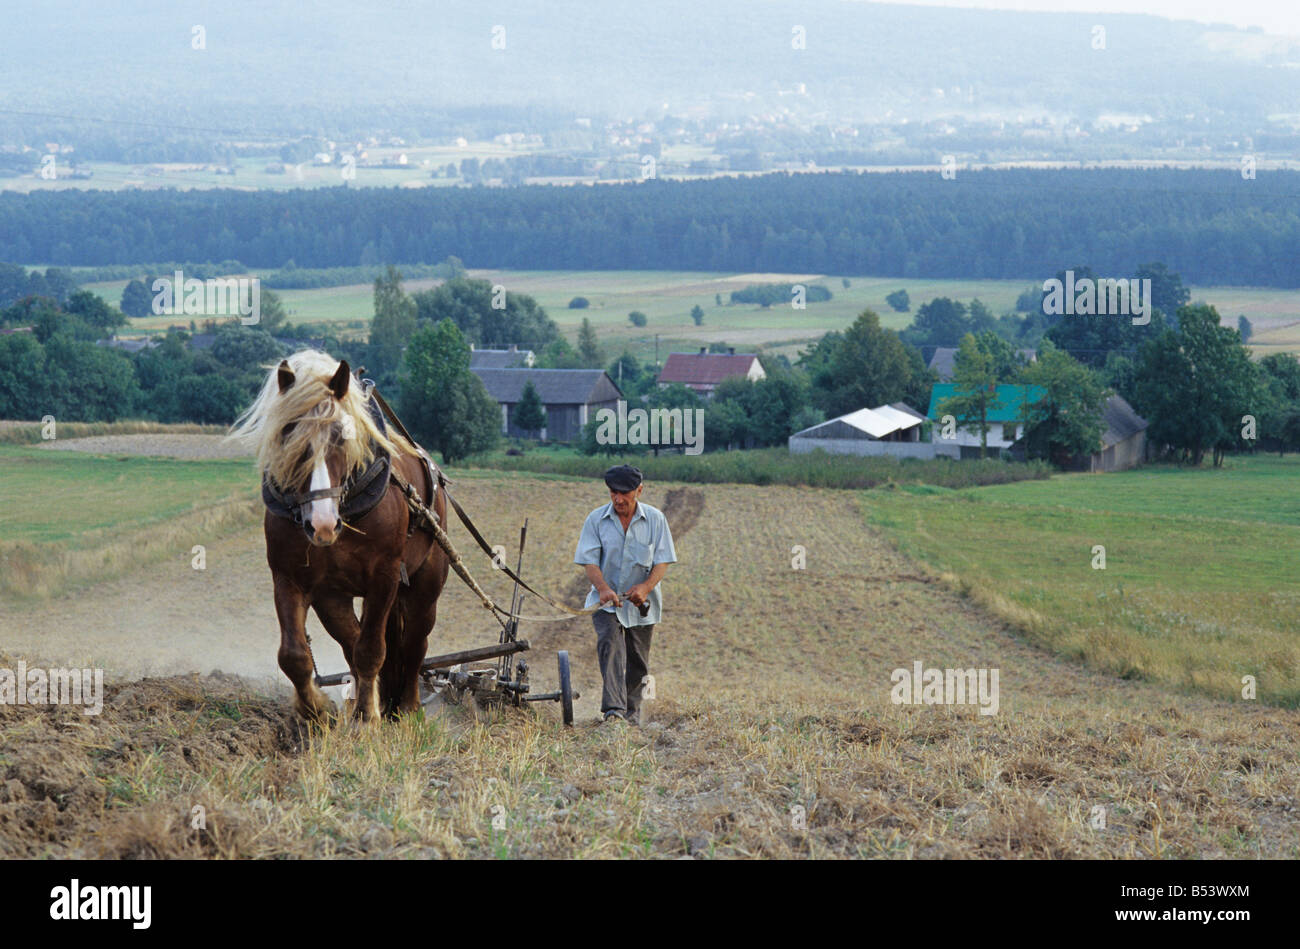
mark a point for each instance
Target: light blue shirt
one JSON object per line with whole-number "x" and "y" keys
{"x": 625, "y": 558}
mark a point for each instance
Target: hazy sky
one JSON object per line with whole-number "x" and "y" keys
{"x": 1275, "y": 16}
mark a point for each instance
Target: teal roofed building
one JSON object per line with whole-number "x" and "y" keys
{"x": 1006, "y": 419}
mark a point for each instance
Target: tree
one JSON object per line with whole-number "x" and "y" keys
{"x": 777, "y": 402}
{"x": 845, "y": 283}
{"x": 976, "y": 393}
{"x": 866, "y": 367}
{"x": 1244, "y": 328}
{"x": 1167, "y": 291}
{"x": 717, "y": 299}
{"x": 271, "y": 315}
{"x": 530, "y": 414}
{"x": 629, "y": 375}
{"x": 1007, "y": 361}
{"x": 636, "y": 318}
{"x": 941, "y": 322}
{"x": 1194, "y": 384}
{"x": 1279, "y": 420}
{"x": 1120, "y": 374}
{"x": 444, "y": 403}
{"x": 697, "y": 315}
{"x": 136, "y": 299}
{"x": 24, "y": 383}
{"x": 89, "y": 383}
{"x": 1030, "y": 301}
{"x": 488, "y": 316}
{"x": 244, "y": 349}
{"x": 981, "y": 317}
{"x": 394, "y": 321}
{"x": 588, "y": 348}
{"x": 728, "y": 422}
{"x": 899, "y": 301}
{"x": 579, "y": 303}
{"x": 1093, "y": 337}
{"x": 1067, "y": 420}
{"x": 558, "y": 355}
{"x": 92, "y": 308}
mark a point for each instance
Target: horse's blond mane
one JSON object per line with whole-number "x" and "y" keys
{"x": 309, "y": 403}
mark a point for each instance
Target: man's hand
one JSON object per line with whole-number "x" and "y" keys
{"x": 607, "y": 595}
{"x": 638, "y": 594}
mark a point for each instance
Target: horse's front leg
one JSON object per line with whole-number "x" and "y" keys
{"x": 368, "y": 654}
{"x": 295, "y": 657}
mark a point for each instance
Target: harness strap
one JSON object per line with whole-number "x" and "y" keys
{"x": 418, "y": 507}
{"x": 504, "y": 568}
{"x": 430, "y": 521}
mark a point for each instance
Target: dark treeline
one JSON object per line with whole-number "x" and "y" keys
{"x": 1213, "y": 227}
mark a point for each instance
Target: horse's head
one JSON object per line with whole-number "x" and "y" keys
{"x": 319, "y": 437}
{"x": 312, "y": 429}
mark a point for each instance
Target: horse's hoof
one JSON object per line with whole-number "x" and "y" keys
{"x": 322, "y": 712}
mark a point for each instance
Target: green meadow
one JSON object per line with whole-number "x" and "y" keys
{"x": 65, "y": 496}
{"x": 1197, "y": 588}
{"x": 666, "y": 297}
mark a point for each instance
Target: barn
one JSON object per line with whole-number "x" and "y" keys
{"x": 893, "y": 429}
{"x": 1124, "y": 441}
{"x": 570, "y": 397}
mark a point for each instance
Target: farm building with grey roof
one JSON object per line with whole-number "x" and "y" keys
{"x": 570, "y": 397}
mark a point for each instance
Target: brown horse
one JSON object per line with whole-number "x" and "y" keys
{"x": 322, "y": 447}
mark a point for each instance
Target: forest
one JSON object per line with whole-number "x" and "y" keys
{"x": 1212, "y": 227}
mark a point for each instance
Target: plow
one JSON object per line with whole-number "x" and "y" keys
{"x": 490, "y": 675}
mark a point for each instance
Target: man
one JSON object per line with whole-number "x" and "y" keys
{"x": 624, "y": 546}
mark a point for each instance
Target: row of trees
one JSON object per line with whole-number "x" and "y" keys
{"x": 58, "y": 369}
{"x": 1191, "y": 377}
{"x": 987, "y": 224}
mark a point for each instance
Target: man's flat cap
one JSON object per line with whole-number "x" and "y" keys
{"x": 622, "y": 478}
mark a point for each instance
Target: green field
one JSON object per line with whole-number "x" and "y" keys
{"x": 666, "y": 297}
{"x": 64, "y": 496}
{"x": 69, "y": 519}
{"x": 1198, "y": 584}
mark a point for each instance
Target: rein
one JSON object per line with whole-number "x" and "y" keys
{"x": 430, "y": 520}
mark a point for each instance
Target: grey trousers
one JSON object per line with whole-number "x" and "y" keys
{"x": 624, "y": 656}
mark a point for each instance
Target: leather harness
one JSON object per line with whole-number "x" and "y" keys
{"x": 359, "y": 495}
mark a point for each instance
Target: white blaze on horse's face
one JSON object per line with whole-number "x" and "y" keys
{"x": 325, "y": 511}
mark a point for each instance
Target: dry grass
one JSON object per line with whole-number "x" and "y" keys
{"x": 773, "y": 691}
{"x": 30, "y": 433}
{"x": 708, "y": 780}
{"x": 39, "y": 571}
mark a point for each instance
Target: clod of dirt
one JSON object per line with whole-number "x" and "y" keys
{"x": 376, "y": 840}
{"x": 65, "y": 777}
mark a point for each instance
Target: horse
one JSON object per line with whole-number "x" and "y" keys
{"x": 322, "y": 448}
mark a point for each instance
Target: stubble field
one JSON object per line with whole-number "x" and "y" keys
{"x": 772, "y": 735}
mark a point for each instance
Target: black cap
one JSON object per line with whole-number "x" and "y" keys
{"x": 622, "y": 478}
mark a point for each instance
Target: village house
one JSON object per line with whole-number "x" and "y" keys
{"x": 570, "y": 397}
{"x": 511, "y": 358}
{"x": 703, "y": 371}
{"x": 1006, "y": 420}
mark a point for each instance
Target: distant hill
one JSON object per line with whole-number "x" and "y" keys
{"x": 310, "y": 65}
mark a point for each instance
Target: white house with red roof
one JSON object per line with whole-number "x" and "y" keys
{"x": 703, "y": 371}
